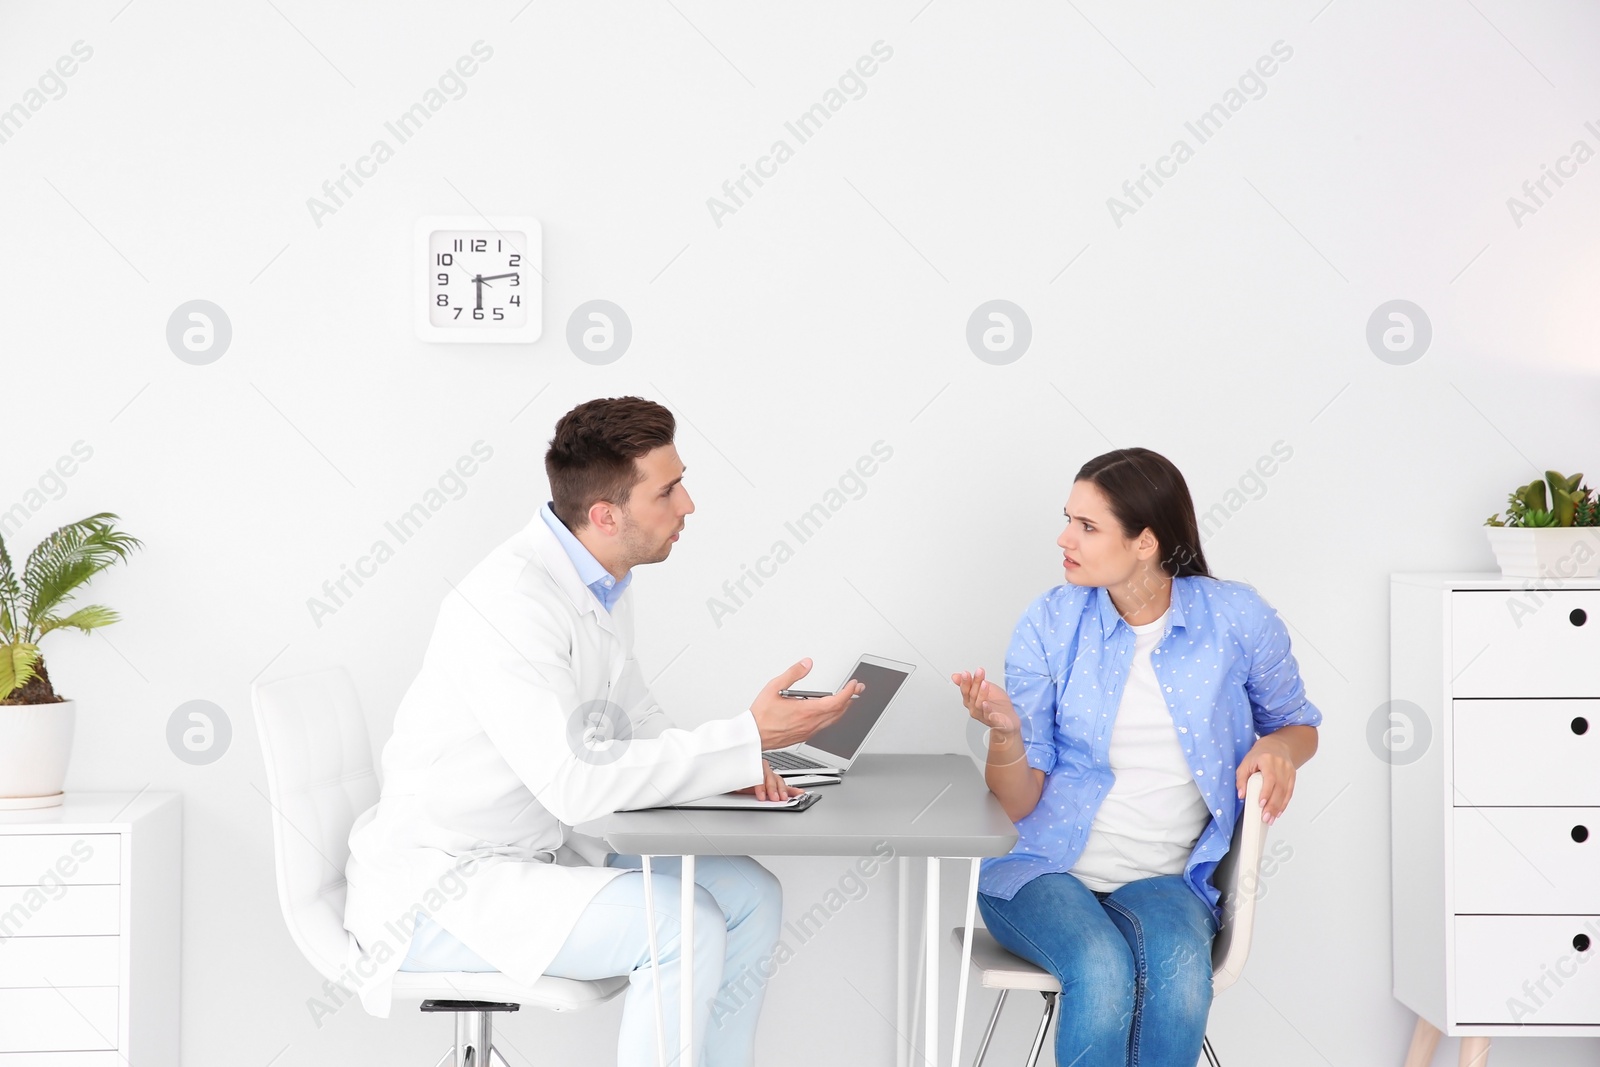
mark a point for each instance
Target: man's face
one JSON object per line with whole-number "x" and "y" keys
{"x": 656, "y": 507}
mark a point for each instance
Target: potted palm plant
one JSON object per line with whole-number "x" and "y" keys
{"x": 36, "y": 723}
{"x": 1548, "y": 536}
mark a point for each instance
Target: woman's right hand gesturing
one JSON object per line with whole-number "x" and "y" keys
{"x": 988, "y": 703}
{"x": 1017, "y": 785}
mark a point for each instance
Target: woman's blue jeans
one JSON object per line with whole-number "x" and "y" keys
{"x": 1134, "y": 965}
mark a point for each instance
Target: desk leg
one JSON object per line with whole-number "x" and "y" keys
{"x": 655, "y": 964}
{"x": 686, "y": 946}
{"x": 966, "y": 965}
{"x": 930, "y": 938}
{"x": 906, "y": 967}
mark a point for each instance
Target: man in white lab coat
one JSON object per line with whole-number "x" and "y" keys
{"x": 530, "y": 715}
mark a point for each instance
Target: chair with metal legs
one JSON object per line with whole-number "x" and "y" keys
{"x": 319, "y": 778}
{"x": 1237, "y": 878}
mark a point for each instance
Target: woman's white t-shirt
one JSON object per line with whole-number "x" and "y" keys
{"x": 1154, "y": 812}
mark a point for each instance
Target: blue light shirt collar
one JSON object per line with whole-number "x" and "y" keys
{"x": 1109, "y": 616}
{"x": 606, "y": 589}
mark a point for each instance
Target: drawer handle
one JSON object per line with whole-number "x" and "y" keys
{"x": 1580, "y": 834}
{"x": 1578, "y": 616}
{"x": 1580, "y": 725}
{"x": 1581, "y": 942}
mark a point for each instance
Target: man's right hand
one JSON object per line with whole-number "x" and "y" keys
{"x": 785, "y": 721}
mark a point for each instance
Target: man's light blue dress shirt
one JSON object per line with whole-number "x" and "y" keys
{"x": 606, "y": 589}
{"x": 1227, "y": 674}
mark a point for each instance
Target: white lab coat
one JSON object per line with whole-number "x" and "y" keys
{"x": 481, "y": 784}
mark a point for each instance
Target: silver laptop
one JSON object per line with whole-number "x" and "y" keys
{"x": 833, "y": 749}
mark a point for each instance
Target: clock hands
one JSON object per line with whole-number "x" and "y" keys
{"x": 480, "y": 280}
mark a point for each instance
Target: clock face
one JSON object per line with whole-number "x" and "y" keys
{"x": 478, "y": 279}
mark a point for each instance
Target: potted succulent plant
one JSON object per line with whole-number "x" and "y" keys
{"x": 36, "y": 723}
{"x": 1548, "y": 536}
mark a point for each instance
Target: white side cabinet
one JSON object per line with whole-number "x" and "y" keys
{"x": 1494, "y": 749}
{"x": 89, "y": 952}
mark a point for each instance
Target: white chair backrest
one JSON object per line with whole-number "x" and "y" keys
{"x": 319, "y": 778}
{"x": 1238, "y": 880}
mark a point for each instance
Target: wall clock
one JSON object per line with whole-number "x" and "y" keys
{"x": 477, "y": 279}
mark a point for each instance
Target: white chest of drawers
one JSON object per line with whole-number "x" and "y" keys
{"x": 89, "y": 932}
{"x": 1496, "y": 814}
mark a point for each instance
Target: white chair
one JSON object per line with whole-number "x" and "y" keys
{"x": 999, "y": 969}
{"x": 320, "y": 777}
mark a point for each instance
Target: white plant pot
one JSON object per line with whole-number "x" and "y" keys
{"x": 35, "y": 744}
{"x": 1549, "y": 552}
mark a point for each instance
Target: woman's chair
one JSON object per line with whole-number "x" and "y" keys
{"x": 319, "y": 778}
{"x": 1237, "y": 878}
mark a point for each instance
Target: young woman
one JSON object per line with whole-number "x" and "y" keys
{"x": 1139, "y": 697}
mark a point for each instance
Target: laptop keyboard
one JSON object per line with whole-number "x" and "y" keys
{"x": 791, "y": 762}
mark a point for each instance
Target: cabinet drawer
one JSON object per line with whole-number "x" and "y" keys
{"x": 46, "y": 1020}
{"x": 1502, "y": 645}
{"x": 61, "y": 961}
{"x": 1537, "y": 753}
{"x": 1524, "y": 860}
{"x": 71, "y": 909}
{"x": 73, "y": 859}
{"x": 1501, "y": 961}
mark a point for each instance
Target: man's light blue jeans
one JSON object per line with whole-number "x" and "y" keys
{"x": 738, "y": 916}
{"x": 1134, "y": 965}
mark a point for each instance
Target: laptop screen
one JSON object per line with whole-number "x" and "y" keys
{"x": 844, "y": 738}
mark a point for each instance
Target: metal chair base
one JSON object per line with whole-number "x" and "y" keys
{"x": 474, "y": 1043}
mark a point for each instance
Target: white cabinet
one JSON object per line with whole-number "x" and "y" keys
{"x": 89, "y": 927}
{"x": 1494, "y": 751}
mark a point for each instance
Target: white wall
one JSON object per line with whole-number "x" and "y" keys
{"x": 1226, "y": 314}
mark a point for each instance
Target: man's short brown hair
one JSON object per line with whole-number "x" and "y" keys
{"x": 592, "y": 455}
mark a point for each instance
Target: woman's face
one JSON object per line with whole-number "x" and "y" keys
{"x": 1093, "y": 549}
